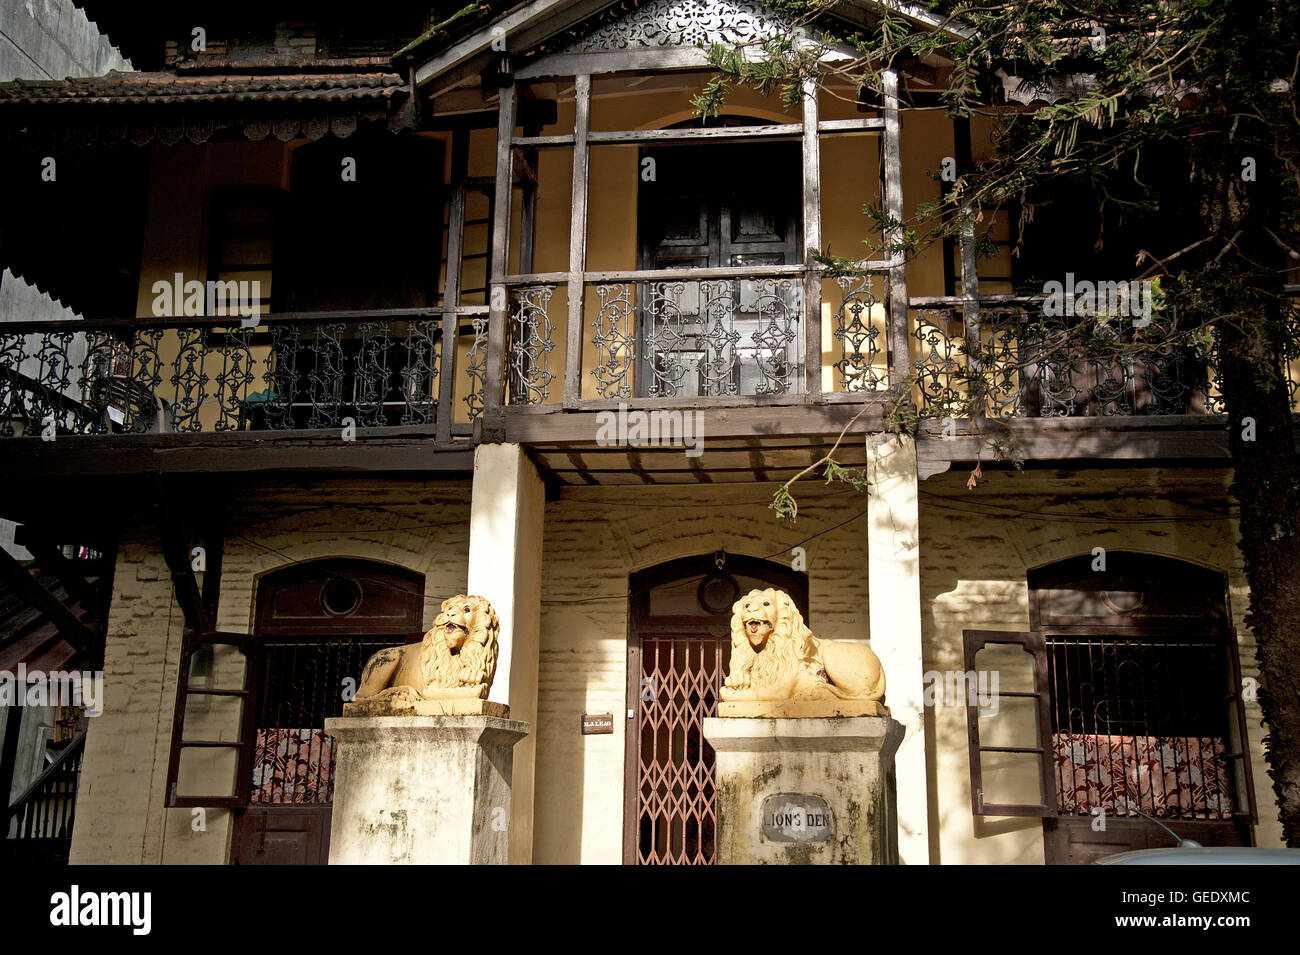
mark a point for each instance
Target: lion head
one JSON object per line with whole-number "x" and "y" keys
{"x": 461, "y": 647}
{"x": 769, "y": 640}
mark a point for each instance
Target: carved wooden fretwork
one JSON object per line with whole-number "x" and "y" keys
{"x": 675, "y": 23}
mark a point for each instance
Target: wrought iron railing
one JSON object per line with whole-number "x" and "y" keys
{"x": 716, "y": 335}
{"x": 1030, "y": 367}
{"x": 46, "y": 809}
{"x": 317, "y": 371}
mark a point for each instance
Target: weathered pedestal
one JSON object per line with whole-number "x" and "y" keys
{"x": 422, "y": 789}
{"x": 806, "y": 791}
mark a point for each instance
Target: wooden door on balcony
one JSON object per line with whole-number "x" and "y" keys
{"x": 719, "y": 206}
{"x": 679, "y": 648}
{"x": 317, "y": 624}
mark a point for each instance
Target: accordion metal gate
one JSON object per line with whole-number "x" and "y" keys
{"x": 678, "y": 652}
{"x": 676, "y": 801}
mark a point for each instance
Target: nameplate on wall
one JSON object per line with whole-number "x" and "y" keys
{"x": 594, "y": 724}
{"x": 795, "y": 817}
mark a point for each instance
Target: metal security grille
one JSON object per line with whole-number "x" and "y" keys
{"x": 293, "y": 757}
{"x": 676, "y": 798}
{"x": 1140, "y": 726}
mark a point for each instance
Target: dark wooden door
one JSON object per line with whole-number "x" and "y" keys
{"x": 282, "y": 835}
{"x": 317, "y": 624}
{"x": 678, "y": 651}
{"x": 719, "y": 206}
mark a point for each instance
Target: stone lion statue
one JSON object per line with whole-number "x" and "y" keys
{"x": 456, "y": 659}
{"x": 775, "y": 657}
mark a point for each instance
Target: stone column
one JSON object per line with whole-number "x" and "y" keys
{"x": 805, "y": 791}
{"x": 507, "y": 511}
{"x": 894, "y": 581}
{"x": 422, "y": 790}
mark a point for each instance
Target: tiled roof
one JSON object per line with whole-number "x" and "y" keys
{"x": 118, "y": 88}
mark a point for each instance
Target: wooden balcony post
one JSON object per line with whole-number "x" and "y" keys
{"x": 970, "y": 290}
{"x": 812, "y": 239}
{"x": 577, "y": 241}
{"x": 498, "y": 296}
{"x": 451, "y": 282}
{"x": 900, "y": 363}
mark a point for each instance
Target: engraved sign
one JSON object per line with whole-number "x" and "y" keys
{"x": 797, "y": 817}
{"x": 597, "y": 723}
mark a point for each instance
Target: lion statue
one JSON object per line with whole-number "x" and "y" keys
{"x": 775, "y": 657}
{"x": 456, "y": 659}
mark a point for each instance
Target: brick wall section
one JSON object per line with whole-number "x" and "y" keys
{"x": 120, "y": 812}
{"x": 974, "y": 561}
{"x": 119, "y": 802}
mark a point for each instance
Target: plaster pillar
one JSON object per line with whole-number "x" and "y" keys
{"x": 505, "y": 566}
{"x": 894, "y": 581}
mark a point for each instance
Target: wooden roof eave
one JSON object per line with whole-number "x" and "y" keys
{"x": 529, "y": 24}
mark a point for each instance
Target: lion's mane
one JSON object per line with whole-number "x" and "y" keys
{"x": 441, "y": 668}
{"x": 788, "y": 649}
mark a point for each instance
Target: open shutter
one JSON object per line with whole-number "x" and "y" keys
{"x": 213, "y": 731}
{"x": 1238, "y": 740}
{"x": 1011, "y": 755}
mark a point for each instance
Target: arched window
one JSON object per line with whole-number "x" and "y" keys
{"x": 249, "y": 732}
{"x": 1122, "y": 700}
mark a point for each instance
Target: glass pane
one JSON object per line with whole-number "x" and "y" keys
{"x": 229, "y": 666}
{"x": 1011, "y": 779}
{"x": 211, "y": 717}
{"x": 1012, "y": 663}
{"x": 207, "y": 771}
{"x": 1011, "y": 721}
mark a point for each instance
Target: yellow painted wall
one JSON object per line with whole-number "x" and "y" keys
{"x": 594, "y": 539}
{"x": 975, "y": 555}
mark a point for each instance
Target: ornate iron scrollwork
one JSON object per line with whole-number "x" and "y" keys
{"x": 325, "y": 380}
{"x": 234, "y": 378}
{"x": 532, "y": 337}
{"x": 476, "y": 367}
{"x": 615, "y": 341}
{"x": 189, "y": 379}
{"x": 420, "y": 371}
{"x": 858, "y": 335}
{"x": 372, "y": 375}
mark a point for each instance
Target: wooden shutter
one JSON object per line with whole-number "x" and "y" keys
{"x": 1238, "y": 738}
{"x": 1011, "y": 755}
{"x": 213, "y": 731}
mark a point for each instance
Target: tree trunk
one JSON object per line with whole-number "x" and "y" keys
{"x": 1242, "y": 288}
{"x": 1266, "y": 484}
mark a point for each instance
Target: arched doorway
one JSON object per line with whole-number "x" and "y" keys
{"x": 678, "y": 652}
{"x": 316, "y": 625}
{"x": 1118, "y": 713}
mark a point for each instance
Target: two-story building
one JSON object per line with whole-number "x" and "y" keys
{"x": 403, "y": 303}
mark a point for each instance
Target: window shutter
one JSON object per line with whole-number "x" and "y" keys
{"x": 1011, "y": 755}
{"x": 212, "y": 731}
{"x": 1238, "y": 755}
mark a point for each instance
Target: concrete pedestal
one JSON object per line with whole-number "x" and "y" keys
{"x": 422, "y": 789}
{"x": 806, "y": 791}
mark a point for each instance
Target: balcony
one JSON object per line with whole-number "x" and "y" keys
{"x": 321, "y": 378}
{"x": 667, "y": 338}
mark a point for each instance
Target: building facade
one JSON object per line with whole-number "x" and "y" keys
{"x": 405, "y": 305}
